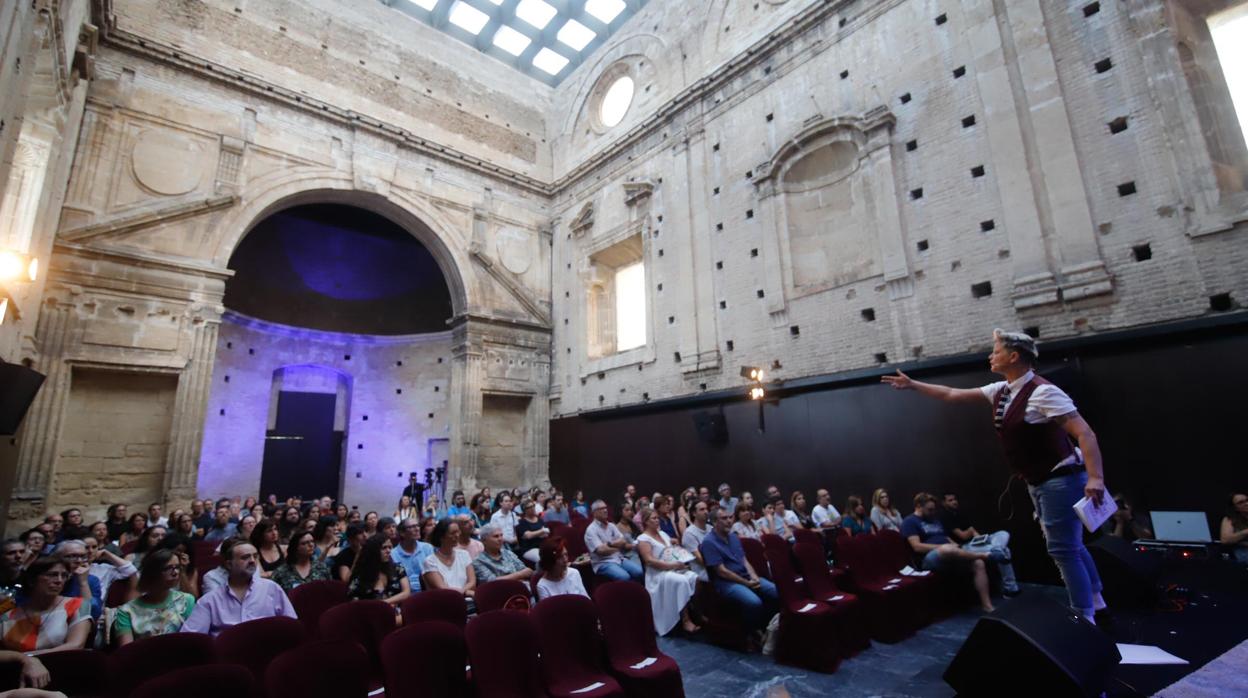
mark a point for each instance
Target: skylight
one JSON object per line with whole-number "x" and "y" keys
{"x": 468, "y": 18}
{"x": 511, "y": 41}
{"x": 535, "y": 12}
{"x": 544, "y": 39}
{"x": 575, "y": 35}
{"x": 605, "y": 10}
{"x": 549, "y": 61}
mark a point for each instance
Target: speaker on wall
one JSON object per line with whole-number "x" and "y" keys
{"x": 712, "y": 427}
{"x": 18, "y": 387}
{"x": 1036, "y": 646}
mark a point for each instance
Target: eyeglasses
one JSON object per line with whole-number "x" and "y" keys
{"x": 171, "y": 568}
{"x": 55, "y": 575}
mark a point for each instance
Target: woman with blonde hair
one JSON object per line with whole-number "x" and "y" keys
{"x": 883, "y": 514}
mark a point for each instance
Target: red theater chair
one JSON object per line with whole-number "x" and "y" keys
{"x": 494, "y": 595}
{"x": 146, "y": 659}
{"x": 627, "y": 626}
{"x": 118, "y": 593}
{"x": 435, "y": 604}
{"x": 318, "y": 669}
{"x": 756, "y": 554}
{"x": 502, "y": 649}
{"x": 896, "y": 609}
{"x": 314, "y": 598}
{"x": 425, "y": 660}
{"x": 822, "y": 586}
{"x": 811, "y": 631}
{"x": 365, "y": 623}
{"x": 207, "y": 681}
{"x": 572, "y": 651}
{"x": 255, "y": 643}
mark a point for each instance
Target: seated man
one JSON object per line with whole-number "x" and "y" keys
{"x": 411, "y": 552}
{"x": 733, "y": 576}
{"x": 496, "y": 560}
{"x": 959, "y": 528}
{"x": 222, "y": 528}
{"x": 245, "y": 596}
{"x": 927, "y": 538}
{"x": 81, "y": 583}
{"x": 605, "y": 543}
{"x": 695, "y": 533}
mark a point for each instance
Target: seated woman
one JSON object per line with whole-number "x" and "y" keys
{"x": 669, "y": 579}
{"x": 856, "y": 520}
{"x": 628, "y": 529}
{"x": 183, "y": 526}
{"x": 405, "y": 511}
{"x": 46, "y": 621}
{"x": 184, "y": 555}
{"x": 300, "y": 567}
{"x": 134, "y": 529}
{"x": 558, "y": 577}
{"x": 884, "y": 515}
{"x": 773, "y": 522}
{"x": 530, "y": 532}
{"x": 160, "y": 608}
{"x": 449, "y": 567}
{"x": 744, "y": 527}
{"x": 375, "y": 575}
{"x": 265, "y": 539}
{"x": 1235, "y": 527}
{"x": 797, "y": 505}
{"x": 326, "y": 534}
{"x": 147, "y": 543}
{"x": 1127, "y": 522}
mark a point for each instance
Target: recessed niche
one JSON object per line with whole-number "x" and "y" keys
{"x": 346, "y": 357}
{"x": 1126, "y": 189}
{"x": 754, "y": 252}
{"x": 982, "y": 289}
{"x": 659, "y": 287}
{"x": 227, "y": 379}
{"x": 1103, "y": 65}
{"x": 905, "y": 98}
{"x": 916, "y": 194}
{"x": 760, "y": 293}
{"x": 968, "y": 121}
{"x": 676, "y": 356}
{"x": 1221, "y": 302}
{"x": 251, "y": 352}
{"x": 868, "y": 314}
{"x": 749, "y": 213}
{"x": 719, "y": 226}
{"x": 1118, "y": 125}
{"x": 430, "y": 415}
{"x": 1142, "y": 252}
{"x": 1033, "y": 332}
{"x": 671, "y": 319}
{"x": 985, "y": 226}
{"x": 222, "y": 412}
{"x": 912, "y": 145}
{"x": 729, "y": 345}
{"x": 437, "y": 388}
{"x": 922, "y": 245}
{"x": 719, "y": 265}
{"x": 1091, "y": 9}
{"x": 881, "y": 358}
{"x": 229, "y": 345}
{"x": 959, "y": 71}
{"x": 715, "y": 148}
{"x": 941, "y": 19}
{"x": 398, "y": 391}
{"x": 715, "y": 191}
{"x": 364, "y": 418}
{"x": 723, "y": 305}
{"x": 771, "y": 117}
{"x": 977, "y": 171}
{"x": 359, "y": 447}
{"x": 795, "y": 330}
{"x": 844, "y": 74}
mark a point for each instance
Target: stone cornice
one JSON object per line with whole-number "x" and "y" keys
{"x": 806, "y": 21}
{"x": 302, "y": 333}
{"x": 181, "y": 265}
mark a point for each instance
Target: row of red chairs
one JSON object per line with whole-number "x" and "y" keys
{"x": 566, "y": 644}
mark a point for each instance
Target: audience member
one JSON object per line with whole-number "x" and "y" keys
{"x": 154, "y": 517}
{"x": 797, "y": 502}
{"x": 467, "y": 541}
{"x": 134, "y": 529}
{"x": 726, "y": 500}
{"x": 31, "y": 677}
{"x": 287, "y": 524}
{"x": 147, "y": 542}
{"x": 629, "y": 527}
{"x": 415, "y": 490}
{"x": 116, "y": 522}
{"x": 246, "y": 524}
{"x": 667, "y": 517}
{"x": 745, "y": 526}
{"x": 245, "y": 595}
{"x": 184, "y": 554}
{"x": 300, "y": 565}
{"x": 160, "y": 608}
{"x": 694, "y": 534}
{"x": 73, "y": 528}
{"x": 458, "y": 505}
{"x": 668, "y": 577}
{"x": 530, "y": 531}
{"x": 449, "y": 567}
{"x": 219, "y": 576}
{"x": 496, "y": 560}
{"x": 411, "y": 552}
{"x": 505, "y": 518}
{"x": 856, "y": 520}
{"x": 326, "y": 535}
{"x": 376, "y": 576}
{"x": 927, "y": 538}
{"x": 557, "y": 510}
{"x": 605, "y": 544}
{"x": 46, "y": 621}
{"x": 201, "y": 514}
{"x": 221, "y": 528}
{"x": 734, "y": 578}
{"x": 1234, "y": 530}
{"x": 12, "y": 558}
{"x": 405, "y": 510}
{"x": 184, "y": 526}
{"x": 434, "y": 508}
{"x": 824, "y": 514}
{"x": 345, "y": 559}
{"x": 1127, "y": 522}
{"x": 81, "y": 583}
{"x": 558, "y": 576}
{"x": 387, "y": 527}
{"x": 579, "y": 505}
{"x": 684, "y": 511}
{"x": 996, "y": 544}
{"x": 34, "y": 540}
{"x": 265, "y": 538}
{"x": 884, "y": 515}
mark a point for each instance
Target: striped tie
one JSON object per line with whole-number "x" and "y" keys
{"x": 1003, "y": 398}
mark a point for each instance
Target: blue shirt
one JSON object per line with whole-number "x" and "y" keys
{"x": 560, "y": 515}
{"x": 411, "y": 562}
{"x": 581, "y": 508}
{"x": 929, "y": 532}
{"x": 456, "y": 511}
{"x": 716, "y": 551}
{"x": 97, "y": 594}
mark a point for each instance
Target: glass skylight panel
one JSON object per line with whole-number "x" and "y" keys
{"x": 468, "y": 18}
{"x": 535, "y": 12}
{"x": 511, "y": 41}
{"x": 425, "y": 4}
{"x": 605, "y": 10}
{"x": 575, "y": 35}
{"x": 549, "y": 61}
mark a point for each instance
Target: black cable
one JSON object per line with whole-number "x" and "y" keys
{"x": 1005, "y": 496}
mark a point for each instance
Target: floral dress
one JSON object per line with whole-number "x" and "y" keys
{"x": 394, "y": 585}
{"x": 288, "y": 577}
{"x": 141, "y": 619}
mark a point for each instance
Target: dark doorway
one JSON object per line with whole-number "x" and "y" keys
{"x": 303, "y": 455}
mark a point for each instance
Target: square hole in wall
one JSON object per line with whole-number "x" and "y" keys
{"x": 430, "y": 415}
{"x": 842, "y": 21}
{"x": 346, "y": 357}
{"x": 437, "y": 388}
{"x": 941, "y": 19}
{"x": 982, "y": 289}
{"x": 905, "y": 98}
{"x": 985, "y": 226}
{"x": 795, "y": 330}
{"x": 251, "y": 352}
{"x": 771, "y": 117}
{"x": 881, "y": 358}
{"x": 365, "y": 418}
{"x": 227, "y": 379}
{"x": 1103, "y": 65}
{"x": 659, "y": 287}
{"x": 359, "y": 447}
{"x": 715, "y": 148}
{"x": 916, "y": 194}
{"x": 1033, "y": 331}
{"x": 749, "y": 213}
{"x": 844, "y": 74}
{"x": 719, "y": 265}
{"x": 760, "y": 293}
{"x": 729, "y": 344}
{"x": 754, "y": 252}
{"x": 1142, "y": 252}
{"x": 1126, "y": 189}
{"x": 229, "y": 345}
{"x": 1221, "y": 302}
{"x": 671, "y": 319}
{"x": 922, "y": 245}
{"x": 968, "y": 121}
{"x": 749, "y": 174}
{"x": 912, "y": 145}
{"x": 398, "y": 391}
{"x": 977, "y": 171}
{"x": 1118, "y": 125}
{"x": 676, "y": 356}
{"x": 719, "y": 227}
{"x": 222, "y": 412}
{"x": 868, "y": 314}
{"x": 660, "y": 251}
{"x": 1091, "y": 9}
{"x": 959, "y": 71}
{"x": 715, "y": 191}
{"x": 723, "y": 305}
{"x": 439, "y": 359}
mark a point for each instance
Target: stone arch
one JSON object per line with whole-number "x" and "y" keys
{"x": 420, "y": 219}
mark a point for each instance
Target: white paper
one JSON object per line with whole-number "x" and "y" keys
{"x": 1147, "y": 654}
{"x": 924, "y": 573}
{"x": 907, "y": 570}
{"x": 644, "y": 663}
{"x": 890, "y": 587}
{"x": 838, "y": 597}
{"x": 799, "y": 580}
{"x": 895, "y": 581}
{"x": 806, "y": 608}
{"x": 591, "y": 687}
{"x": 1093, "y": 516}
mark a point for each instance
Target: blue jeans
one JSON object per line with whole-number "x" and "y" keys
{"x": 621, "y": 571}
{"x": 1063, "y": 534}
{"x": 997, "y": 547}
{"x": 757, "y": 605}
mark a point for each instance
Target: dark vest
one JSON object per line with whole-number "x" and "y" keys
{"x": 1032, "y": 450}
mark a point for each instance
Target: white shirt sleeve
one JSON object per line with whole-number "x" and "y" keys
{"x": 990, "y": 390}
{"x": 819, "y": 515}
{"x": 1048, "y": 401}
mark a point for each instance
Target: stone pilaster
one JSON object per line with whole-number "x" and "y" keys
{"x": 41, "y": 429}
{"x": 190, "y": 404}
{"x": 467, "y": 380}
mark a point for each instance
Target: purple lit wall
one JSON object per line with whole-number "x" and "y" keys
{"x": 393, "y": 398}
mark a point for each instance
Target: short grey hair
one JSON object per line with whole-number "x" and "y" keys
{"x": 489, "y": 529}
{"x": 1017, "y": 341}
{"x": 66, "y": 544}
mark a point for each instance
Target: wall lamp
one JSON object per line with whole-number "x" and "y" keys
{"x": 18, "y": 267}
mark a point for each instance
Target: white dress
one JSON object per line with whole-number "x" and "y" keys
{"x": 670, "y": 590}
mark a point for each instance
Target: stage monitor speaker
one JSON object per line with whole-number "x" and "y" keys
{"x": 1129, "y": 577}
{"x": 1034, "y": 646}
{"x": 18, "y": 387}
{"x": 712, "y": 427}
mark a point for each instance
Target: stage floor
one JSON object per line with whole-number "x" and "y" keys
{"x": 1209, "y": 625}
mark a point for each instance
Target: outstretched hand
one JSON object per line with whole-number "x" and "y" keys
{"x": 900, "y": 381}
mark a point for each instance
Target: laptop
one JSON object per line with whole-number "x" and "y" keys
{"x": 1181, "y": 526}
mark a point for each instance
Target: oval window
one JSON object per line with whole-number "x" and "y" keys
{"x": 616, "y": 101}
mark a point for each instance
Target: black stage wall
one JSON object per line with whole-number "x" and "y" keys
{"x": 1164, "y": 401}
